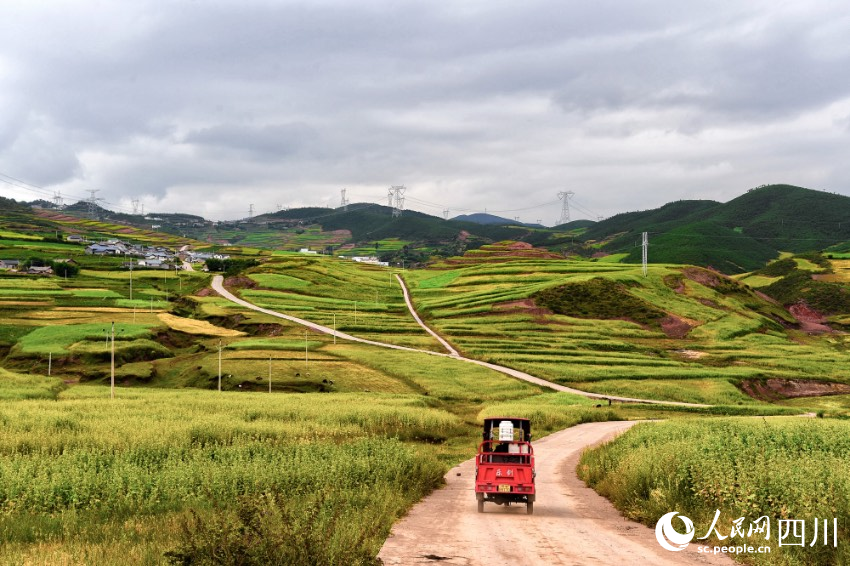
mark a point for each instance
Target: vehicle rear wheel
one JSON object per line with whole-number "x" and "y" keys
{"x": 529, "y": 508}
{"x": 480, "y": 505}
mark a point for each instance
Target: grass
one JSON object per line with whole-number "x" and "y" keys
{"x": 60, "y": 339}
{"x": 780, "y": 468}
{"x": 17, "y": 386}
{"x": 148, "y": 458}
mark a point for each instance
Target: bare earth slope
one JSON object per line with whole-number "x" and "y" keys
{"x": 571, "y": 523}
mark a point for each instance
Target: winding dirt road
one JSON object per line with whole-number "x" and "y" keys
{"x": 218, "y": 286}
{"x": 571, "y": 523}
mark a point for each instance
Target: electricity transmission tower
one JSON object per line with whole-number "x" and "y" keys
{"x": 135, "y": 203}
{"x": 92, "y": 200}
{"x": 446, "y": 214}
{"x": 57, "y": 199}
{"x": 343, "y": 202}
{"x": 250, "y": 211}
{"x": 644, "y": 254}
{"x": 565, "y": 207}
{"x": 395, "y": 197}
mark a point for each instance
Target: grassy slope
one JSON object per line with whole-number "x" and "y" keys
{"x": 485, "y": 310}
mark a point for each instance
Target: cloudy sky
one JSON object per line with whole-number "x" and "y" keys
{"x": 209, "y": 106}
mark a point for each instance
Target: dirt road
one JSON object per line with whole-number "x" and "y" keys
{"x": 571, "y": 524}
{"x": 218, "y": 286}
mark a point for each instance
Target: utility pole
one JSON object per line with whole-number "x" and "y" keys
{"x": 219, "y": 365}
{"x": 49, "y": 363}
{"x": 565, "y": 207}
{"x": 644, "y": 254}
{"x": 131, "y": 281}
{"x": 112, "y": 366}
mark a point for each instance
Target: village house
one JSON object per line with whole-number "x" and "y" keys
{"x": 33, "y": 270}
{"x": 10, "y": 264}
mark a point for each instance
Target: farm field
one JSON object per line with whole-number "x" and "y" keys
{"x": 780, "y": 468}
{"x": 362, "y": 300}
{"x": 689, "y": 337}
{"x": 357, "y": 433}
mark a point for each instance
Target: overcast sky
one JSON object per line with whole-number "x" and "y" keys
{"x": 208, "y": 106}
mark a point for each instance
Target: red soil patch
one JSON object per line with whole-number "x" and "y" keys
{"x": 240, "y": 283}
{"x": 525, "y": 305}
{"x": 675, "y": 327}
{"x": 205, "y": 292}
{"x": 702, "y": 276}
{"x": 810, "y": 320}
{"x": 778, "y": 389}
{"x": 712, "y": 304}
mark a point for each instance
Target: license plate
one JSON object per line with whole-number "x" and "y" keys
{"x": 504, "y": 488}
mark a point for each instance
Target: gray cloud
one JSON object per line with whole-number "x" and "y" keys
{"x": 472, "y": 105}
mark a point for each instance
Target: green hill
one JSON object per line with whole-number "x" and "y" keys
{"x": 734, "y": 237}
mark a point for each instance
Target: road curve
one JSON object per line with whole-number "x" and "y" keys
{"x": 571, "y": 523}
{"x": 427, "y": 328}
{"x": 218, "y": 286}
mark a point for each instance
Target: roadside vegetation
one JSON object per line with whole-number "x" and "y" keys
{"x": 782, "y": 468}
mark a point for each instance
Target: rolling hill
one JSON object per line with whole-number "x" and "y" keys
{"x": 734, "y": 237}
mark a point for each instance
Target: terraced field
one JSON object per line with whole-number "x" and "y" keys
{"x": 713, "y": 335}
{"x": 362, "y": 300}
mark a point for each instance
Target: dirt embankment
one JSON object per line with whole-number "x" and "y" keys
{"x": 779, "y": 389}
{"x": 810, "y": 320}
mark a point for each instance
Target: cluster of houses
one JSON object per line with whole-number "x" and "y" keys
{"x": 14, "y": 265}
{"x": 156, "y": 257}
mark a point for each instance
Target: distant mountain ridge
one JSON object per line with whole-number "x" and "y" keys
{"x": 484, "y": 218}
{"x": 737, "y": 236}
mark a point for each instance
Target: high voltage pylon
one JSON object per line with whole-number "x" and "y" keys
{"x": 645, "y": 251}
{"x": 343, "y": 202}
{"x": 565, "y": 207}
{"x": 135, "y": 203}
{"x": 446, "y": 214}
{"x": 92, "y": 200}
{"x": 57, "y": 199}
{"x": 395, "y": 197}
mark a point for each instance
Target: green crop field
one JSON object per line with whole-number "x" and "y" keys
{"x": 780, "y": 468}
{"x": 351, "y": 435}
{"x": 607, "y": 345}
